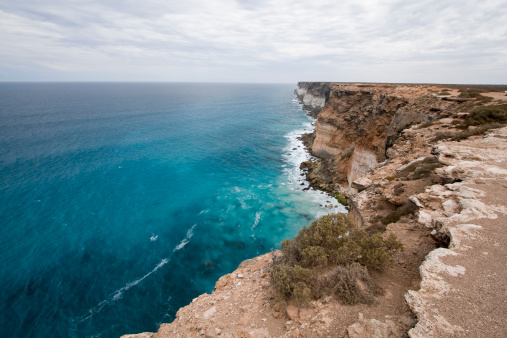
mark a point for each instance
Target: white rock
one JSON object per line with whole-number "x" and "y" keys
{"x": 403, "y": 167}
{"x": 450, "y": 207}
{"x": 209, "y": 313}
{"x": 425, "y": 218}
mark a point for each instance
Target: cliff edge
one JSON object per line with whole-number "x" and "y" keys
{"x": 425, "y": 162}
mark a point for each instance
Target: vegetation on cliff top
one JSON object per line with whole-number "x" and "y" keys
{"x": 481, "y": 119}
{"x": 347, "y": 252}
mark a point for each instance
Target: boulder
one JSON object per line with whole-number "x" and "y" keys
{"x": 362, "y": 183}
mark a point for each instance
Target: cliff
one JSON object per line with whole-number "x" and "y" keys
{"x": 427, "y": 163}
{"x": 313, "y": 95}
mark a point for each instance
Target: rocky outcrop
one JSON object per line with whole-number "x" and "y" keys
{"x": 460, "y": 283}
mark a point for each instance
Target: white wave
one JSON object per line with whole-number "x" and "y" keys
{"x": 257, "y": 219}
{"x": 181, "y": 245}
{"x": 116, "y": 295}
{"x": 153, "y": 237}
{"x": 205, "y": 211}
{"x": 185, "y": 240}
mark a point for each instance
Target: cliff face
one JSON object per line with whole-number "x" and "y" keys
{"x": 313, "y": 95}
{"x": 359, "y": 123}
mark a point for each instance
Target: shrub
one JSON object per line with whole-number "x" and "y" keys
{"x": 292, "y": 282}
{"x": 474, "y": 94}
{"x": 341, "y": 199}
{"x": 407, "y": 208}
{"x": 353, "y": 284}
{"x": 377, "y": 252}
{"x": 421, "y": 169}
{"x": 487, "y": 114}
{"x": 462, "y": 135}
{"x": 398, "y": 189}
{"x": 426, "y": 124}
{"x": 331, "y": 239}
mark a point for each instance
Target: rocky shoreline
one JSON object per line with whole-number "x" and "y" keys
{"x": 411, "y": 163}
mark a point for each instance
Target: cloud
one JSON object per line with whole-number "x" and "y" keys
{"x": 239, "y": 40}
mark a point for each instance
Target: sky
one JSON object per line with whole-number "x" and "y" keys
{"x": 258, "y": 41}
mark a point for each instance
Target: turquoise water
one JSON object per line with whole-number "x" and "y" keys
{"x": 120, "y": 203}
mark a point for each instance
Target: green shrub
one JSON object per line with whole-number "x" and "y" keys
{"x": 341, "y": 199}
{"x": 331, "y": 239}
{"x": 375, "y": 251}
{"x": 292, "y": 282}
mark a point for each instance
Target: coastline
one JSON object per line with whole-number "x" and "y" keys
{"x": 445, "y": 205}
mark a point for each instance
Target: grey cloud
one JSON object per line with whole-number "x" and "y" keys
{"x": 193, "y": 40}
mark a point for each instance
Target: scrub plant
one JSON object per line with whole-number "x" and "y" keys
{"x": 331, "y": 241}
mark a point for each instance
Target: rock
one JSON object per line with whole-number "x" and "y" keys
{"x": 222, "y": 282}
{"x": 240, "y": 276}
{"x": 373, "y": 328}
{"x": 416, "y": 201}
{"x": 450, "y": 207}
{"x": 209, "y": 313}
{"x": 425, "y": 218}
{"x": 292, "y": 312}
{"x": 276, "y": 314}
{"x": 362, "y": 183}
{"x": 446, "y": 120}
{"x": 296, "y": 333}
{"x": 403, "y": 167}
{"x": 218, "y": 331}
{"x": 140, "y": 335}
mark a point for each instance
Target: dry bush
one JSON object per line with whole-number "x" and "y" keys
{"x": 474, "y": 94}
{"x": 353, "y": 284}
{"x": 487, "y": 114}
{"x": 406, "y": 209}
{"x": 420, "y": 169}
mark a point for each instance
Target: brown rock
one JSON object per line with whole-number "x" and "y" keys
{"x": 292, "y": 312}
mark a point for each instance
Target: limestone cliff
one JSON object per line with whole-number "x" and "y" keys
{"x": 313, "y": 95}
{"x": 360, "y": 122}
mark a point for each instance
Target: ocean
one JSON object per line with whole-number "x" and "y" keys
{"x": 121, "y": 202}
